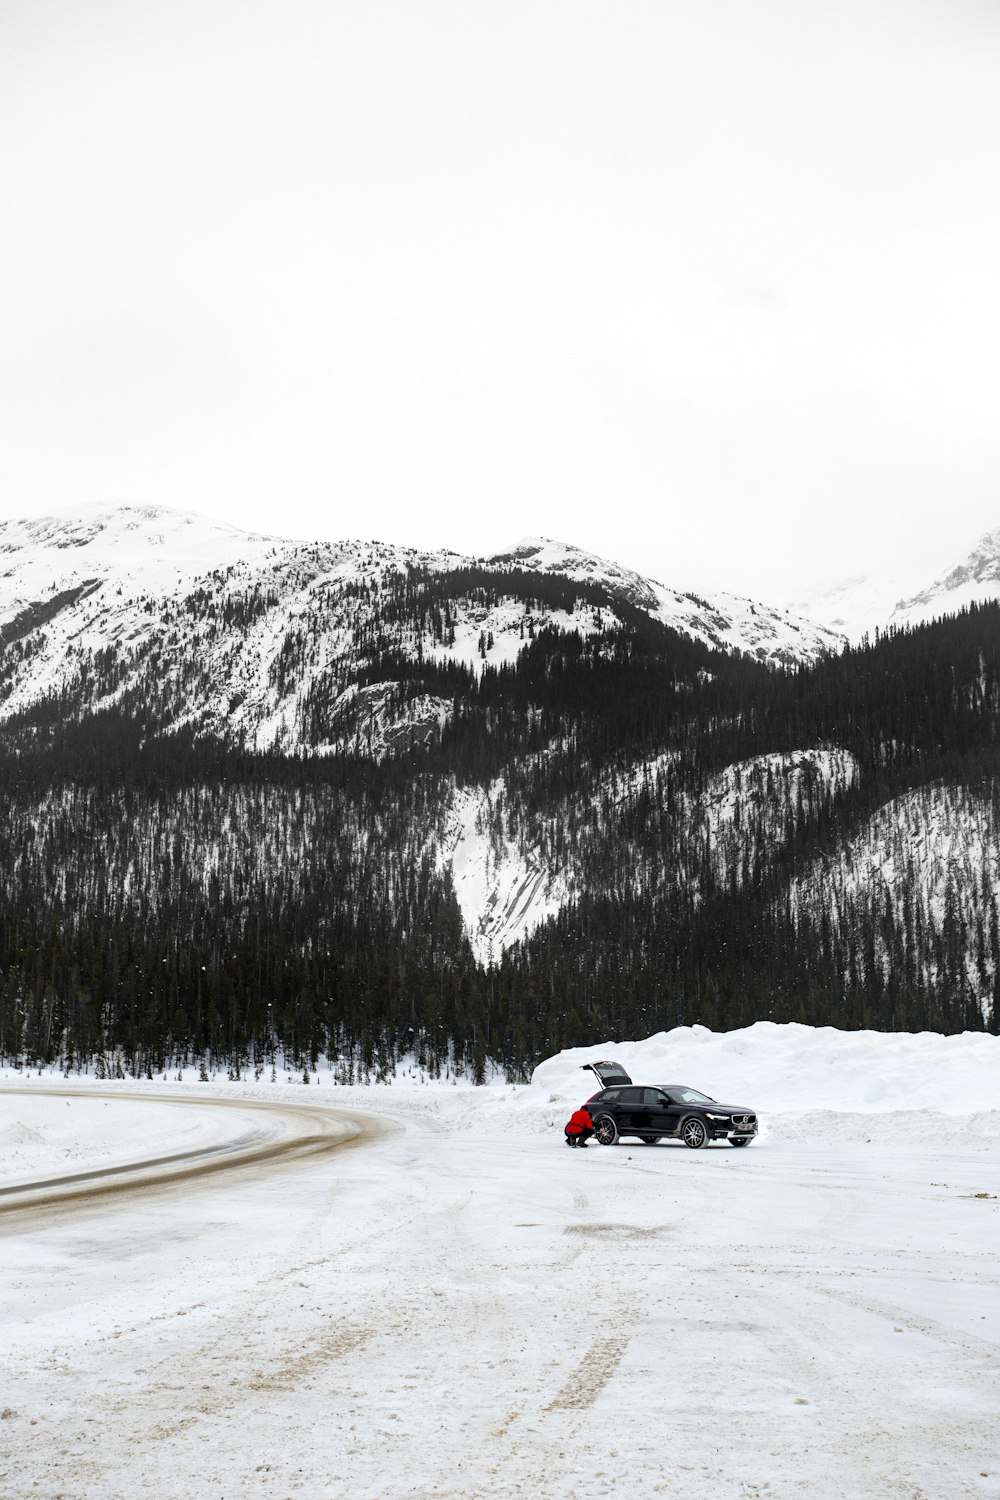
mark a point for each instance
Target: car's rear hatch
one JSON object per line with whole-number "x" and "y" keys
{"x": 609, "y": 1075}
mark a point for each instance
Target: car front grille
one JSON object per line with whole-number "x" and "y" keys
{"x": 744, "y": 1122}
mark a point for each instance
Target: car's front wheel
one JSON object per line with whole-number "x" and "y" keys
{"x": 605, "y": 1130}
{"x": 694, "y": 1134}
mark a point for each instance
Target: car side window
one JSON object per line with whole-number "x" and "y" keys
{"x": 652, "y": 1096}
{"x": 631, "y": 1096}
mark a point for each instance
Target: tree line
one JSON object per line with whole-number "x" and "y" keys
{"x": 173, "y": 896}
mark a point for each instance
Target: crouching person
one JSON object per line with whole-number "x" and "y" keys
{"x": 579, "y": 1128}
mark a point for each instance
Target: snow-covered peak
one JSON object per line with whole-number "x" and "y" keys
{"x": 261, "y": 639}
{"x": 157, "y": 551}
{"x": 105, "y": 530}
{"x": 147, "y": 547}
{"x": 867, "y": 602}
{"x": 543, "y": 555}
{"x": 724, "y": 621}
{"x": 975, "y": 579}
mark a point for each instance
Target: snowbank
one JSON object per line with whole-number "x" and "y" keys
{"x": 802, "y": 1068}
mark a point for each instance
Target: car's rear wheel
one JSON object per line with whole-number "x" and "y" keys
{"x": 743, "y": 1140}
{"x": 694, "y": 1134}
{"x": 605, "y": 1130}
{"x": 651, "y": 1140}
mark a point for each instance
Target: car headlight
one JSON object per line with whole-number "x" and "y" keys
{"x": 717, "y": 1117}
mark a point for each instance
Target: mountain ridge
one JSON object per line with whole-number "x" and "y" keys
{"x": 974, "y": 579}
{"x": 864, "y": 603}
{"x": 274, "y": 642}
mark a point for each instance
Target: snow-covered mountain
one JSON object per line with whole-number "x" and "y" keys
{"x": 726, "y": 621}
{"x": 867, "y": 602}
{"x": 975, "y": 579}
{"x": 139, "y": 548}
{"x": 924, "y": 873}
{"x": 612, "y": 826}
{"x": 272, "y": 643}
{"x": 856, "y": 606}
{"x": 511, "y": 875}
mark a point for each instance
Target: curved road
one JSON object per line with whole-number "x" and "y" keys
{"x": 284, "y": 1135}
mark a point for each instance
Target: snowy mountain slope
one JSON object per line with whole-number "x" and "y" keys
{"x": 975, "y": 579}
{"x": 860, "y": 605}
{"x": 505, "y": 887}
{"x": 255, "y": 638}
{"x": 726, "y": 621}
{"x": 268, "y": 642}
{"x": 926, "y": 866}
{"x": 746, "y": 808}
{"x": 857, "y": 606}
{"x": 138, "y": 548}
{"x": 512, "y": 872}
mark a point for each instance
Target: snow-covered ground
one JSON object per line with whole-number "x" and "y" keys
{"x": 461, "y": 1307}
{"x": 45, "y": 1137}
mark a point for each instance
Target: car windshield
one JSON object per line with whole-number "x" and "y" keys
{"x": 690, "y": 1096}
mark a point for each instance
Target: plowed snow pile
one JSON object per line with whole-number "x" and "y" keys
{"x": 808, "y": 1084}
{"x": 782, "y": 1068}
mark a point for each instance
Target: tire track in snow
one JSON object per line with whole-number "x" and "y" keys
{"x": 195, "y": 1381}
{"x": 303, "y": 1133}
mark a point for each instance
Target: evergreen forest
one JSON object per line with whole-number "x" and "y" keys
{"x": 170, "y": 897}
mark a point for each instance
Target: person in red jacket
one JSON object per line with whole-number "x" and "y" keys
{"x": 578, "y": 1128}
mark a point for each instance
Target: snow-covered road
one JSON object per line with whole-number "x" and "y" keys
{"x": 453, "y": 1311}
{"x": 140, "y": 1145}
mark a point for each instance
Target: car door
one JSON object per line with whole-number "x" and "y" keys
{"x": 653, "y": 1112}
{"x": 634, "y": 1114}
{"x": 666, "y": 1114}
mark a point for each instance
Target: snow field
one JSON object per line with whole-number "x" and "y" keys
{"x": 456, "y": 1313}
{"x": 807, "y": 1083}
{"x": 464, "y": 1309}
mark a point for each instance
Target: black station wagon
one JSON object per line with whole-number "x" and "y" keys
{"x": 664, "y": 1111}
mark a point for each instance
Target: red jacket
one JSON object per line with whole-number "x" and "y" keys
{"x": 579, "y": 1120}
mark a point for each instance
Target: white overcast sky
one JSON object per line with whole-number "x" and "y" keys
{"x": 709, "y": 287}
